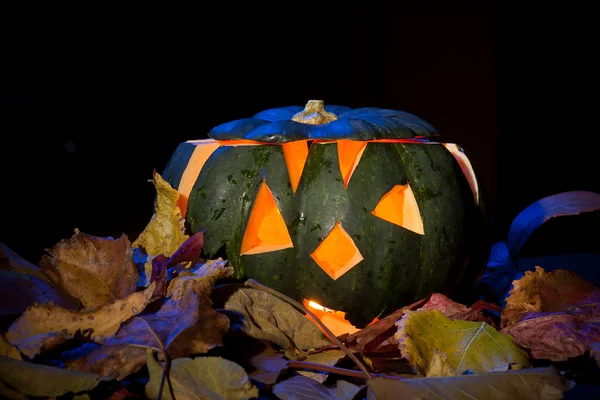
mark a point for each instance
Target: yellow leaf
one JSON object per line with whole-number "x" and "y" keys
{"x": 7, "y": 350}
{"x": 166, "y": 230}
{"x": 467, "y": 346}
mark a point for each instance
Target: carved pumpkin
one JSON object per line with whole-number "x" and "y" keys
{"x": 358, "y": 210}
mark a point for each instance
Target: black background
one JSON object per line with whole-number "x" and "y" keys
{"x": 94, "y": 98}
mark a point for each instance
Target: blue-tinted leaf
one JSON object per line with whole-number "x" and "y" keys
{"x": 566, "y": 203}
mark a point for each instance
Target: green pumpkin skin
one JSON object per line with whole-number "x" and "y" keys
{"x": 399, "y": 266}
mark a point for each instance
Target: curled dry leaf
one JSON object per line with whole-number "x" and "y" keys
{"x": 45, "y": 326}
{"x": 541, "y": 291}
{"x": 468, "y": 346}
{"x": 268, "y": 364}
{"x": 265, "y": 317}
{"x": 186, "y": 324}
{"x": 555, "y": 315}
{"x": 165, "y": 232}
{"x": 303, "y": 388}
{"x": 457, "y": 311}
{"x": 92, "y": 269}
{"x": 7, "y": 350}
{"x": 201, "y": 378}
{"x": 19, "y": 291}
{"x": 43, "y": 380}
{"x": 530, "y": 384}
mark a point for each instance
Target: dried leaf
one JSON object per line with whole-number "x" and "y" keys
{"x": 457, "y": 311}
{"x": 11, "y": 261}
{"x": 186, "y": 325}
{"x": 201, "y": 378}
{"x": 111, "y": 361}
{"x": 595, "y": 352}
{"x": 92, "y": 269}
{"x": 266, "y": 317}
{"x": 557, "y": 336}
{"x": 19, "y": 291}
{"x": 566, "y": 203}
{"x": 42, "y": 380}
{"x": 554, "y": 315}
{"x": 165, "y": 232}
{"x": 468, "y": 346}
{"x": 45, "y": 326}
{"x": 303, "y": 388}
{"x": 530, "y": 384}
{"x": 7, "y": 350}
{"x": 269, "y": 364}
{"x": 330, "y": 357}
{"x": 541, "y": 291}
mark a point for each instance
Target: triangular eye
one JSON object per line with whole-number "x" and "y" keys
{"x": 400, "y": 207}
{"x": 349, "y": 154}
{"x": 295, "y": 154}
{"x": 337, "y": 253}
{"x": 266, "y": 230}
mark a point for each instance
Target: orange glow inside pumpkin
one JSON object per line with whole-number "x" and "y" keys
{"x": 202, "y": 151}
{"x": 349, "y": 154}
{"x": 466, "y": 167}
{"x": 337, "y": 253}
{"x": 266, "y": 230}
{"x": 295, "y": 154}
{"x": 332, "y": 319}
{"x": 400, "y": 207}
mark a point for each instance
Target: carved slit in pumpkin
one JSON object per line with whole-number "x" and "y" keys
{"x": 295, "y": 154}
{"x": 202, "y": 151}
{"x": 349, "y": 154}
{"x": 400, "y": 207}
{"x": 466, "y": 167}
{"x": 266, "y": 230}
{"x": 337, "y": 253}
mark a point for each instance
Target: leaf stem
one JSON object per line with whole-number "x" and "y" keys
{"x": 167, "y": 368}
{"x": 257, "y": 285}
{"x": 337, "y": 370}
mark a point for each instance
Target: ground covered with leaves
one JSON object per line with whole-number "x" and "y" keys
{"x": 106, "y": 318}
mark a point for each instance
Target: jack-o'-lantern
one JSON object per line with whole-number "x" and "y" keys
{"x": 359, "y": 210}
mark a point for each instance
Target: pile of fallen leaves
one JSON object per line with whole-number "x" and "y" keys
{"x": 108, "y": 318}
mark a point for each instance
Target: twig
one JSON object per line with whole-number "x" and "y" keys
{"x": 336, "y": 370}
{"x": 257, "y": 285}
{"x": 167, "y": 368}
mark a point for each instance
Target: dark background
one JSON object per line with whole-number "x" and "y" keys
{"x": 93, "y": 99}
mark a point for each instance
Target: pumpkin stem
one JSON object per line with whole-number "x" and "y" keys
{"x": 314, "y": 113}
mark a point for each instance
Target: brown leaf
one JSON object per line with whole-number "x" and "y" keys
{"x": 266, "y": 317}
{"x": 19, "y": 291}
{"x": 115, "y": 361}
{"x": 186, "y": 324}
{"x": 93, "y": 269}
{"x": 457, "y": 311}
{"x": 11, "y": 261}
{"x": 557, "y": 336}
{"x": 555, "y": 315}
{"x": 379, "y": 337}
{"x": 541, "y": 291}
{"x": 330, "y": 358}
{"x": 45, "y": 326}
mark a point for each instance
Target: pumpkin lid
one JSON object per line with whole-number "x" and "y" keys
{"x": 320, "y": 122}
